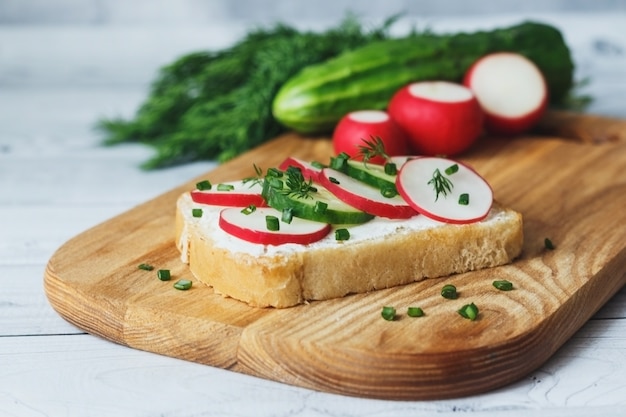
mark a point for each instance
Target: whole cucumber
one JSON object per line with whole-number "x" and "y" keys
{"x": 314, "y": 99}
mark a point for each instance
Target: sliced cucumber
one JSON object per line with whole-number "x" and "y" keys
{"x": 372, "y": 174}
{"x": 320, "y": 206}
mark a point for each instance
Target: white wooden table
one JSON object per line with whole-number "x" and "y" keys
{"x": 56, "y": 181}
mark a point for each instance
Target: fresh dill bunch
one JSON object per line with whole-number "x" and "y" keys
{"x": 216, "y": 105}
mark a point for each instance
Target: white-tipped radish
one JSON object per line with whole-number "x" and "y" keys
{"x": 231, "y": 194}
{"x": 253, "y": 227}
{"x": 357, "y": 126}
{"x": 511, "y": 91}
{"x": 466, "y": 198}
{"x": 364, "y": 196}
{"x": 309, "y": 171}
{"x": 440, "y": 117}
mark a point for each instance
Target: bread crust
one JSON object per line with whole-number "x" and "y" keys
{"x": 320, "y": 272}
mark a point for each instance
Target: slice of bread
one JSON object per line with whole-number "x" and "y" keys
{"x": 379, "y": 254}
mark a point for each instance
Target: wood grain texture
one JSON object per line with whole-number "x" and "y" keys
{"x": 571, "y": 191}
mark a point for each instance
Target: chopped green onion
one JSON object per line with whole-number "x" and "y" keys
{"x": 389, "y": 191}
{"x": 197, "y": 212}
{"x": 388, "y": 313}
{"x": 320, "y": 207}
{"x": 271, "y": 222}
{"x": 415, "y": 312}
{"x": 164, "y": 274}
{"x": 449, "y": 291}
{"x": 469, "y": 311}
{"x": 203, "y": 185}
{"x": 339, "y": 162}
{"x": 225, "y": 187}
{"x": 342, "y": 234}
{"x": 333, "y": 180}
{"x": 182, "y": 284}
{"x": 145, "y": 267}
{"x": 274, "y": 172}
{"x": 464, "y": 199}
{"x": 503, "y": 285}
{"x": 249, "y": 210}
{"x": 287, "y": 215}
{"x": 317, "y": 164}
{"x": 548, "y": 244}
{"x": 452, "y": 169}
{"x": 391, "y": 168}
{"x": 276, "y": 183}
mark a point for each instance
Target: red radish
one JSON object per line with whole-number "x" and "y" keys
{"x": 357, "y": 126}
{"x": 241, "y": 195}
{"x": 416, "y": 183}
{"x": 253, "y": 227}
{"x": 309, "y": 171}
{"x": 511, "y": 90}
{"x": 440, "y": 117}
{"x": 365, "y": 197}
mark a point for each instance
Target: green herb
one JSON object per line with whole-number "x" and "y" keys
{"x": 441, "y": 184}
{"x": 249, "y": 210}
{"x": 164, "y": 274}
{"x": 449, "y": 291}
{"x": 275, "y": 183}
{"x": 464, "y": 199}
{"x": 203, "y": 185}
{"x": 391, "y": 168}
{"x": 225, "y": 187}
{"x": 145, "y": 267}
{"x": 342, "y": 234}
{"x": 275, "y": 173}
{"x": 469, "y": 311}
{"x": 287, "y": 215}
{"x": 320, "y": 207}
{"x": 452, "y": 169}
{"x": 372, "y": 148}
{"x": 317, "y": 164}
{"x": 272, "y": 224}
{"x": 389, "y": 191}
{"x": 257, "y": 179}
{"x": 415, "y": 312}
{"x": 183, "y": 284}
{"x": 339, "y": 162}
{"x": 196, "y": 212}
{"x": 297, "y": 186}
{"x": 388, "y": 313}
{"x": 503, "y": 285}
{"x": 548, "y": 244}
{"x": 218, "y": 104}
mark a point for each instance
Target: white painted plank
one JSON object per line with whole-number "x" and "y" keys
{"x": 24, "y": 308}
{"x": 84, "y": 375}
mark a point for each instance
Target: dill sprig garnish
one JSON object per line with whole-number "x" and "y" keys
{"x": 372, "y": 148}
{"x": 258, "y": 179}
{"x": 211, "y": 105}
{"x": 297, "y": 185}
{"x": 440, "y": 183}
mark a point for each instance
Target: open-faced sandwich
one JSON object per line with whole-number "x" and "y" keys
{"x": 305, "y": 231}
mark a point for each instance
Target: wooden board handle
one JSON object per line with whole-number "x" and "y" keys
{"x": 587, "y": 128}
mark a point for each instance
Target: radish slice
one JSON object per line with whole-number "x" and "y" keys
{"x": 510, "y": 89}
{"x": 241, "y": 195}
{"x": 413, "y": 185}
{"x": 253, "y": 227}
{"x": 309, "y": 171}
{"x": 365, "y": 197}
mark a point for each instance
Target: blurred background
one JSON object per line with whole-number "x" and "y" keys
{"x": 103, "y": 12}
{"x": 107, "y": 52}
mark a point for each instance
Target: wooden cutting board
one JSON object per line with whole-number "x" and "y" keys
{"x": 570, "y": 185}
